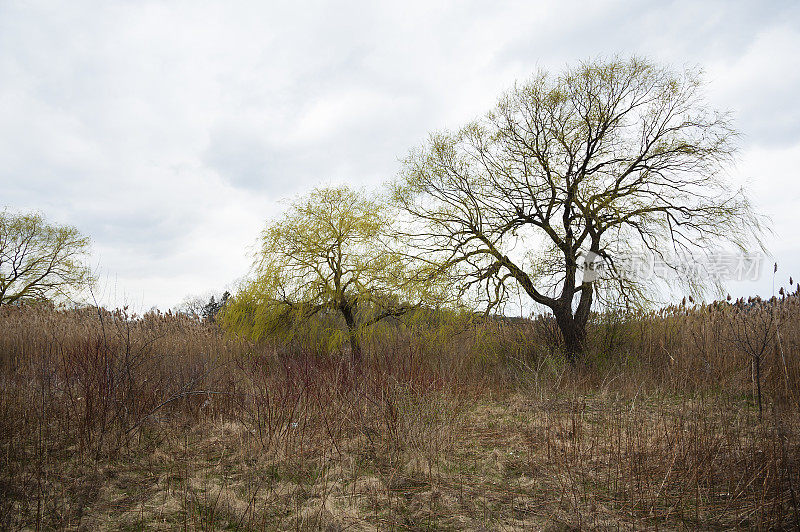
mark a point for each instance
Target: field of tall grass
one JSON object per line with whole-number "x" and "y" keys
{"x": 684, "y": 418}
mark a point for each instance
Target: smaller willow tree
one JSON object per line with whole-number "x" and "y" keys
{"x": 327, "y": 259}
{"x": 39, "y": 260}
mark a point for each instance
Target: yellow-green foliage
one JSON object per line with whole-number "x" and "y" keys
{"x": 326, "y": 271}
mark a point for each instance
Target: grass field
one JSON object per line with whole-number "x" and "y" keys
{"x": 111, "y": 421}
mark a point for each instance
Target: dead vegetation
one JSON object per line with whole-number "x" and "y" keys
{"x": 111, "y": 421}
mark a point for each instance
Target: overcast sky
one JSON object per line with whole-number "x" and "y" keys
{"x": 169, "y": 131}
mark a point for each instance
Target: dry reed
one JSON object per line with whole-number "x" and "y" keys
{"x": 110, "y": 420}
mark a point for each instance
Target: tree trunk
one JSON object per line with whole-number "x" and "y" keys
{"x": 356, "y": 356}
{"x": 573, "y": 332}
{"x": 573, "y": 324}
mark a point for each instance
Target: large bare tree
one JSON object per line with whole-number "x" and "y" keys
{"x": 609, "y": 157}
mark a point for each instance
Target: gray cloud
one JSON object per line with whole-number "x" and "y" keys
{"x": 168, "y": 130}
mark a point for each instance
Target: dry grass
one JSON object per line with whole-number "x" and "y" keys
{"x": 109, "y": 421}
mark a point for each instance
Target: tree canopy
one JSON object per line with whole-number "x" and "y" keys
{"x": 609, "y": 158}
{"x": 40, "y": 260}
{"x": 327, "y": 258}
